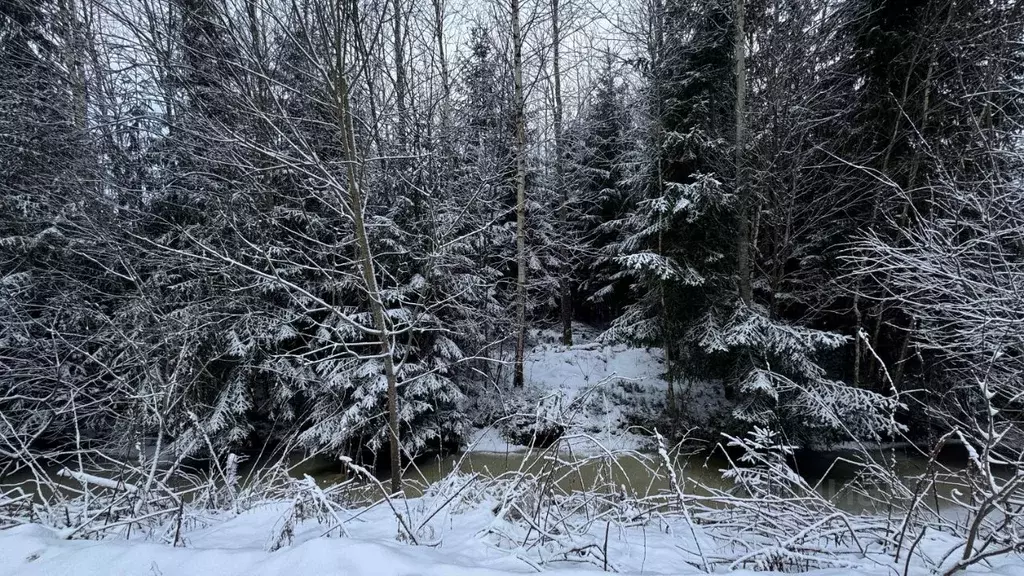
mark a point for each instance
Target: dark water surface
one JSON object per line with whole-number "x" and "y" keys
{"x": 635, "y": 474}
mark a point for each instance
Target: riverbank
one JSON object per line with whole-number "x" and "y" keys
{"x": 594, "y": 392}
{"x": 467, "y": 536}
{"x": 546, "y": 512}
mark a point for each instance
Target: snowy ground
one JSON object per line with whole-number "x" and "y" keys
{"x": 591, "y": 387}
{"x": 464, "y": 543}
{"x": 30, "y": 550}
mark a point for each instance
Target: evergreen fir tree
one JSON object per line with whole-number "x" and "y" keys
{"x": 603, "y": 199}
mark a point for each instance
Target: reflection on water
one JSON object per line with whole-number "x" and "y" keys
{"x": 830, "y": 474}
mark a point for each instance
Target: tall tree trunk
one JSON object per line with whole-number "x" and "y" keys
{"x": 73, "y": 51}
{"x": 258, "y": 51}
{"x": 743, "y": 233}
{"x": 372, "y": 291}
{"x": 354, "y": 179}
{"x": 566, "y": 303}
{"x": 520, "y": 120}
{"x": 442, "y": 59}
{"x": 655, "y": 50}
{"x": 857, "y": 327}
{"x": 402, "y": 167}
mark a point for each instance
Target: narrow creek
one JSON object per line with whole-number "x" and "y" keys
{"x": 830, "y": 473}
{"x": 637, "y": 474}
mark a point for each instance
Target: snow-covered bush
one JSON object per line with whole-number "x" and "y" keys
{"x": 779, "y": 381}
{"x": 538, "y": 423}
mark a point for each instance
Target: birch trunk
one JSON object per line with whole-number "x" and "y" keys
{"x": 566, "y": 303}
{"x": 366, "y": 264}
{"x": 743, "y": 233}
{"x": 520, "y": 183}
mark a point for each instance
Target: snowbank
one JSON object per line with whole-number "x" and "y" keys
{"x": 591, "y": 388}
{"x": 458, "y": 532}
{"x": 237, "y": 547}
{"x": 31, "y": 550}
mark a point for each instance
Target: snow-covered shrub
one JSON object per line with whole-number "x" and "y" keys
{"x": 773, "y": 372}
{"x": 787, "y": 524}
{"x": 764, "y": 471}
{"x": 348, "y": 398}
{"x": 284, "y": 530}
{"x": 15, "y": 504}
{"x": 529, "y": 430}
{"x": 539, "y": 423}
{"x": 640, "y": 406}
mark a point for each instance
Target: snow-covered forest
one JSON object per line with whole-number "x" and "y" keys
{"x": 384, "y": 231}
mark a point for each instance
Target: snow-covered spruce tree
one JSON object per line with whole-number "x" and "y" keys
{"x": 792, "y": 218}
{"x": 798, "y": 101}
{"x": 693, "y": 296}
{"x": 597, "y": 154}
{"x": 483, "y": 181}
{"x": 458, "y": 280}
{"x": 549, "y": 245}
{"x": 774, "y": 363}
{"x": 54, "y": 237}
{"x": 188, "y": 315}
{"x": 673, "y": 241}
{"x": 345, "y": 256}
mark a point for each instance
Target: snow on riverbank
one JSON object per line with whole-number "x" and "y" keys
{"x": 460, "y": 544}
{"x": 591, "y": 387}
{"x": 30, "y": 550}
